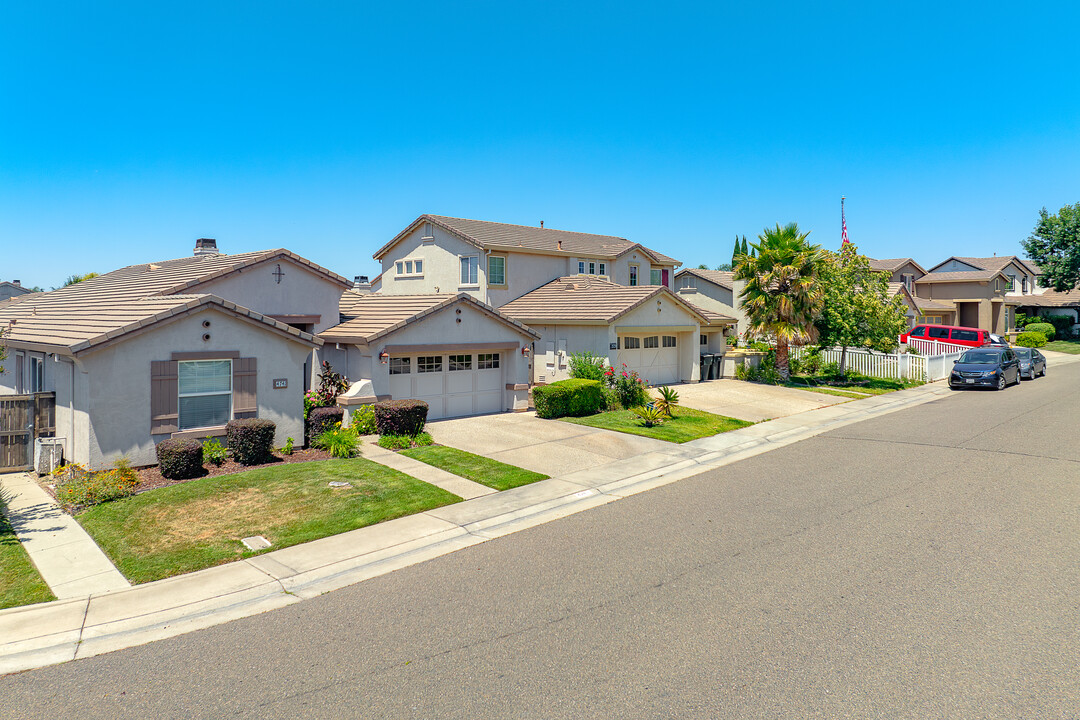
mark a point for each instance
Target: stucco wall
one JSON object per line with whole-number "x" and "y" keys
{"x": 300, "y": 292}
{"x": 119, "y": 382}
{"x": 442, "y": 269}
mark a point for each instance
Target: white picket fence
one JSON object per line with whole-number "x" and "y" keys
{"x": 935, "y": 347}
{"x": 926, "y": 368}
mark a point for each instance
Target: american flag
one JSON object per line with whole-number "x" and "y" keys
{"x": 843, "y": 225}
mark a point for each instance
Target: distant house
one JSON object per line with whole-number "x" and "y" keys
{"x": 714, "y": 290}
{"x": 172, "y": 349}
{"x": 12, "y": 289}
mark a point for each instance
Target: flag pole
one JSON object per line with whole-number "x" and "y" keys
{"x": 843, "y": 224}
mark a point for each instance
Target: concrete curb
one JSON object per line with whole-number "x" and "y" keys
{"x": 38, "y": 635}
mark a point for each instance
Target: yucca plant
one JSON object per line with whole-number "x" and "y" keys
{"x": 650, "y": 415}
{"x": 668, "y": 399}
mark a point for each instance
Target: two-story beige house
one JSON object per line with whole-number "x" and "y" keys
{"x": 984, "y": 292}
{"x": 523, "y": 297}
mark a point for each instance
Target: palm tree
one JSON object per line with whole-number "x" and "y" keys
{"x": 782, "y": 294}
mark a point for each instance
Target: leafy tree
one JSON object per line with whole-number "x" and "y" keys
{"x": 745, "y": 249}
{"x": 782, "y": 295}
{"x": 702, "y": 266}
{"x": 857, "y": 310}
{"x": 735, "y": 253}
{"x": 727, "y": 267}
{"x": 1054, "y": 245}
{"x": 75, "y": 279}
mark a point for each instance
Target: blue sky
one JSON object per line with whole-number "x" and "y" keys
{"x": 128, "y": 130}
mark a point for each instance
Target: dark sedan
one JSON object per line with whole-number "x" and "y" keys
{"x": 986, "y": 367}
{"x": 1032, "y": 362}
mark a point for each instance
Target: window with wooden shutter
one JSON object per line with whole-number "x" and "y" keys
{"x": 245, "y": 403}
{"x": 164, "y": 397}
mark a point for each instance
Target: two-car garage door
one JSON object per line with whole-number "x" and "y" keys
{"x": 451, "y": 384}
{"x": 654, "y": 357}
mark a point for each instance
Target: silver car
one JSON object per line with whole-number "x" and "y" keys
{"x": 1032, "y": 362}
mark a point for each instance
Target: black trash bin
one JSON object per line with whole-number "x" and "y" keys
{"x": 706, "y": 364}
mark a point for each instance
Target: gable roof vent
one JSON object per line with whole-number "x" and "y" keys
{"x": 206, "y": 246}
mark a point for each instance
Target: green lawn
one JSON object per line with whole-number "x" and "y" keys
{"x": 197, "y": 524}
{"x": 1064, "y": 346}
{"x": 20, "y": 583}
{"x": 858, "y": 388}
{"x": 688, "y": 424}
{"x": 479, "y": 469}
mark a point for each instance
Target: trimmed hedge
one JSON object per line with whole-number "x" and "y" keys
{"x": 1030, "y": 339}
{"x": 1041, "y": 327}
{"x": 180, "y": 459}
{"x": 400, "y": 417}
{"x": 251, "y": 440}
{"x": 321, "y": 419}
{"x": 569, "y": 398}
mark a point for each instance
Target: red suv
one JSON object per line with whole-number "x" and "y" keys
{"x": 971, "y": 337}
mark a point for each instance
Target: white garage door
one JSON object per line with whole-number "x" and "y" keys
{"x": 655, "y": 357}
{"x": 451, "y": 384}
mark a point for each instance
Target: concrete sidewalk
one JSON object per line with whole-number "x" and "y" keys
{"x": 54, "y": 632}
{"x": 69, "y": 561}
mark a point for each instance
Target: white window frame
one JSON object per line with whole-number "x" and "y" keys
{"x": 469, "y": 277}
{"x": 400, "y": 366}
{"x": 429, "y": 364}
{"x": 603, "y": 268}
{"x": 501, "y": 283}
{"x": 634, "y": 272}
{"x": 580, "y": 267}
{"x": 487, "y": 361}
{"x": 666, "y": 339}
{"x": 631, "y": 342}
{"x": 181, "y": 395}
{"x": 592, "y": 267}
{"x": 651, "y": 342}
{"x": 460, "y": 362}
{"x": 37, "y": 374}
{"x": 655, "y": 276}
{"x": 412, "y": 267}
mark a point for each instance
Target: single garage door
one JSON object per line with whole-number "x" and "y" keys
{"x": 451, "y": 384}
{"x": 655, "y": 357}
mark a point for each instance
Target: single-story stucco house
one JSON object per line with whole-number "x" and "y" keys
{"x": 172, "y": 349}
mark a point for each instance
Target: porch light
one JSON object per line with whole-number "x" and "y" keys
{"x": 524, "y": 351}
{"x": 384, "y": 357}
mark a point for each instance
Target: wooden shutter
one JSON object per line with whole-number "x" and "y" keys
{"x": 164, "y": 401}
{"x": 245, "y": 404}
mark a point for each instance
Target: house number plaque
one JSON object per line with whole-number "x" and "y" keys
{"x": 281, "y": 383}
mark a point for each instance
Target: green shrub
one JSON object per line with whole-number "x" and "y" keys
{"x": 1063, "y": 326}
{"x": 403, "y": 442}
{"x": 587, "y": 366}
{"x": 340, "y": 442}
{"x": 629, "y": 388}
{"x": 568, "y": 398}
{"x": 363, "y": 419}
{"x": 650, "y": 415}
{"x": 1048, "y": 330}
{"x": 611, "y": 398}
{"x": 321, "y": 419}
{"x": 91, "y": 488}
{"x": 251, "y": 440}
{"x": 213, "y": 452}
{"x": 400, "y": 417}
{"x": 667, "y": 401}
{"x": 288, "y": 447}
{"x": 180, "y": 459}
{"x": 1030, "y": 339}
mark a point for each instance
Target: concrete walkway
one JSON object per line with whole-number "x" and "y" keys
{"x": 462, "y": 487}
{"x": 69, "y": 561}
{"x": 63, "y": 630}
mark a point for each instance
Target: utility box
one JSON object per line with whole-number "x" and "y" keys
{"x": 48, "y": 454}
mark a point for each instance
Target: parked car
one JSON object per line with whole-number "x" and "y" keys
{"x": 997, "y": 341}
{"x": 1032, "y": 362}
{"x": 955, "y": 334}
{"x": 986, "y": 367}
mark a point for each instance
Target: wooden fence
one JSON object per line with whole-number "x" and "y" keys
{"x": 24, "y": 418}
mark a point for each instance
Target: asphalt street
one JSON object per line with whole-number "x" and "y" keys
{"x": 924, "y": 564}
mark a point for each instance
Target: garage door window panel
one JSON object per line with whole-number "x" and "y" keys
{"x": 669, "y": 341}
{"x": 400, "y": 366}
{"x": 460, "y": 362}
{"x": 652, "y": 341}
{"x": 487, "y": 361}
{"x": 631, "y": 343}
{"x": 205, "y": 393}
{"x": 429, "y": 364}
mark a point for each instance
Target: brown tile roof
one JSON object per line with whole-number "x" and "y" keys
{"x": 892, "y": 264}
{"x": 74, "y": 317}
{"x": 484, "y": 234}
{"x": 723, "y": 278}
{"x": 996, "y": 263}
{"x": 1052, "y": 298}
{"x": 712, "y": 316}
{"x": 75, "y": 325}
{"x": 927, "y": 304}
{"x": 958, "y": 276}
{"x": 577, "y": 299}
{"x": 366, "y": 318}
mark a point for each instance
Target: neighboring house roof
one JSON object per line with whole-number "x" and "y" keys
{"x": 899, "y": 288}
{"x": 996, "y": 263}
{"x": 1052, "y": 298}
{"x": 486, "y": 235}
{"x": 893, "y": 264}
{"x": 959, "y": 276}
{"x": 576, "y": 299}
{"x": 927, "y": 304}
{"x": 61, "y": 323}
{"x": 366, "y": 318}
{"x": 13, "y": 288}
{"x": 723, "y": 278}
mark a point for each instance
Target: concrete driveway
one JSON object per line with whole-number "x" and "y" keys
{"x": 551, "y": 447}
{"x": 751, "y": 401}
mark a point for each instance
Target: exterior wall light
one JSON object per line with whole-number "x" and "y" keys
{"x": 524, "y": 351}
{"x": 384, "y": 357}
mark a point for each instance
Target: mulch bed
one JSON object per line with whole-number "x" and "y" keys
{"x": 150, "y": 478}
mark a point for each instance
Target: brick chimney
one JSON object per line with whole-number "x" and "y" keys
{"x": 361, "y": 284}
{"x": 206, "y": 246}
